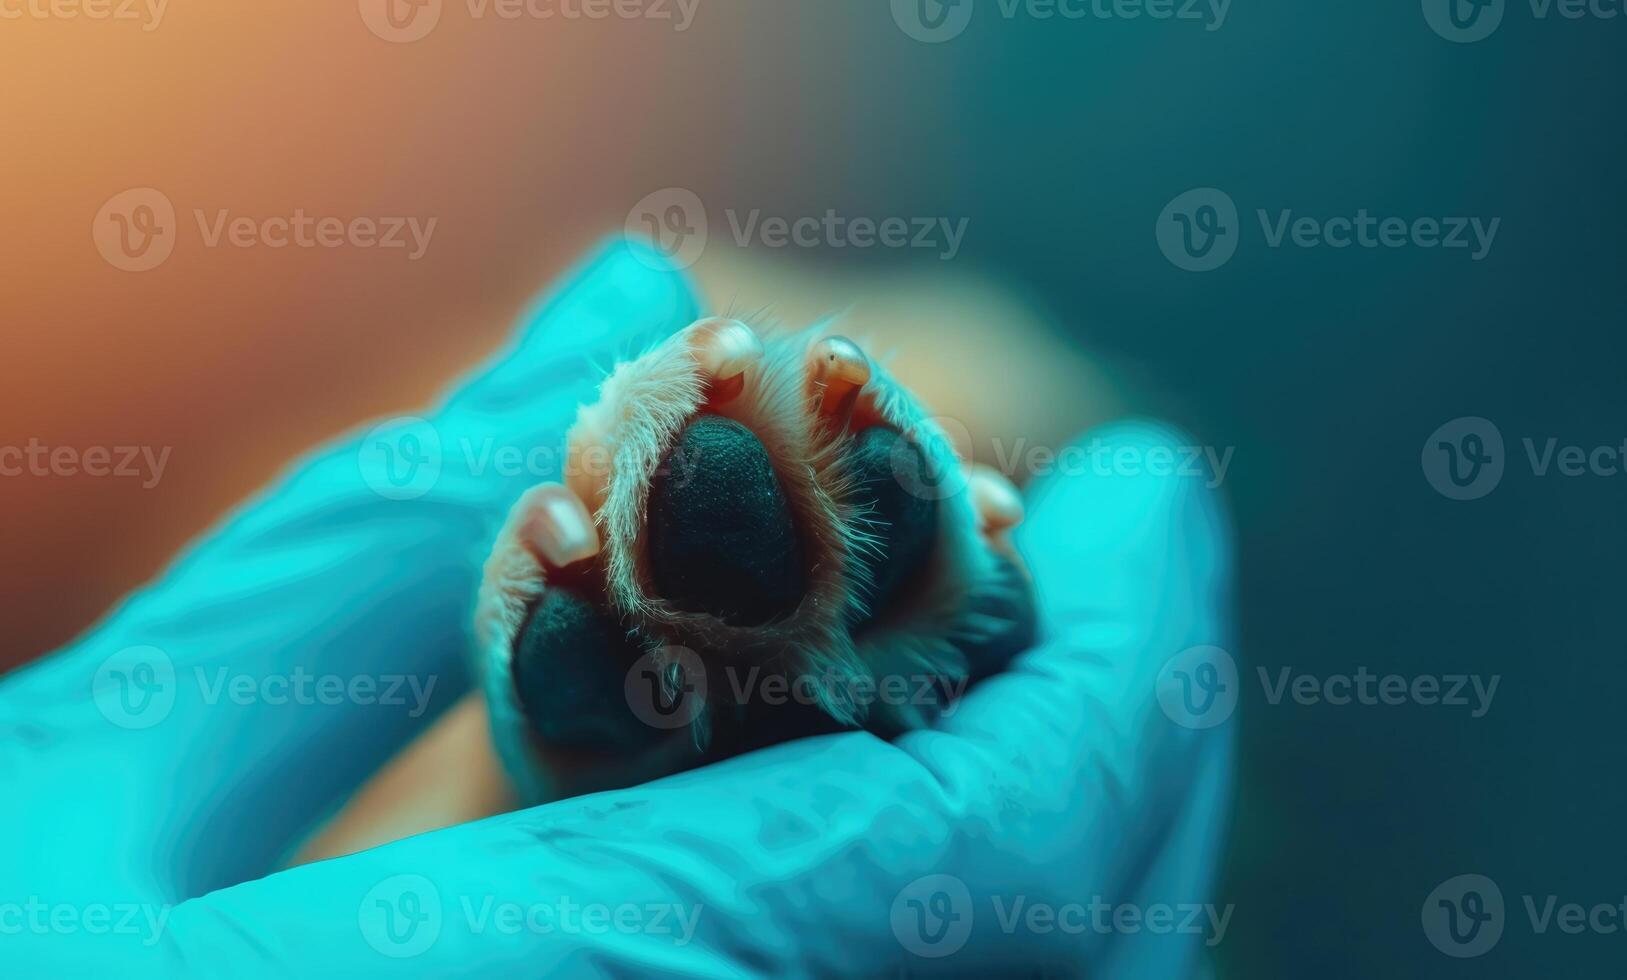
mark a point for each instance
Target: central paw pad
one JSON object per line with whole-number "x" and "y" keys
{"x": 722, "y": 539}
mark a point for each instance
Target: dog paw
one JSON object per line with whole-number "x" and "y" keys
{"x": 757, "y": 538}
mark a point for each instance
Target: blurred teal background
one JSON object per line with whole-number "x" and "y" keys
{"x": 1328, "y": 370}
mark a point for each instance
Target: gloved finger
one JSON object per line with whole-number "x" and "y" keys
{"x": 298, "y": 645}
{"x": 1059, "y": 781}
{"x": 1131, "y": 559}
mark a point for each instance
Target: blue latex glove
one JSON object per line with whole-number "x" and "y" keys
{"x": 139, "y": 823}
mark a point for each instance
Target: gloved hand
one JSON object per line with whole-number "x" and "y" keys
{"x": 160, "y": 766}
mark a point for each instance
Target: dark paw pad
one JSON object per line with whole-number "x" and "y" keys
{"x": 570, "y": 668}
{"x": 906, "y": 523}
{"x": 721, "y": 535}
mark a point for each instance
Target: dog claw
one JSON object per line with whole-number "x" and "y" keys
{"x": 837, "y": 369}
{"x": 556, "y": 526}
{"x": 999, "y": 505}
{"x": 724, "y": 349}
